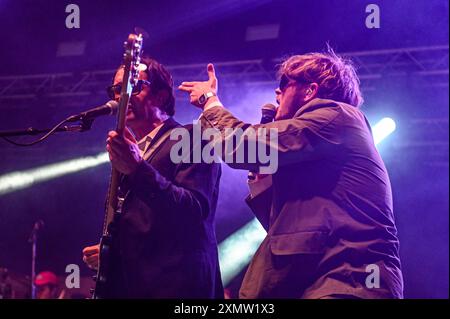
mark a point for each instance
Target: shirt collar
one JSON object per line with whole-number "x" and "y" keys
{"x": 152, "y": 133}
{"x": 150, "y": 136}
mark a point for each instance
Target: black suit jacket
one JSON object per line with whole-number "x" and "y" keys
{"x": 328, "y": 210}
{"x": 166, "y": 245}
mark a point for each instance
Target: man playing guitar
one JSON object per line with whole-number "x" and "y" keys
{"x": 165, "y": 245}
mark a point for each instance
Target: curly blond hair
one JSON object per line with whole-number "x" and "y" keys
{"x": 336, "y": 76}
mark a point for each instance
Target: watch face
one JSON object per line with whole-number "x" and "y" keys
{"x": 202, "y": 99}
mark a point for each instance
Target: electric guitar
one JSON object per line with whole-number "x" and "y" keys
{"x": 131, "y": 61}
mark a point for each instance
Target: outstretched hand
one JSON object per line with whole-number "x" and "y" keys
{"x": 197, "y": 89}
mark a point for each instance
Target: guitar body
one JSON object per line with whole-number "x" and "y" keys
{"x": 103, "y": 284}
{"x": 104, "y": 278}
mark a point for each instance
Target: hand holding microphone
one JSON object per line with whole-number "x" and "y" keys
{"x": 268, "y": 112}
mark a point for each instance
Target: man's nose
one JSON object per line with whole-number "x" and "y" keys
{"x": 277, "y": 91}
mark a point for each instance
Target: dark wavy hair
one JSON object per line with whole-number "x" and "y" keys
{"x": 160, "y": 80}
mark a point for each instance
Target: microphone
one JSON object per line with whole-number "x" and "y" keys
{"x": 268, "y": 112}
{"x": 38, "y": 225}
{"x": 109, "y": 108}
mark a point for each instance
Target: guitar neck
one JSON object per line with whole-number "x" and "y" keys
{"x": 112, "y": 200}
{"x": 133, "y": 50}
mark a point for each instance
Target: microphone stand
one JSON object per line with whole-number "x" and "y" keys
{"x": 85, "y": 125}
{"x": 33, "y": 240}
{"x": 86, "y": 119}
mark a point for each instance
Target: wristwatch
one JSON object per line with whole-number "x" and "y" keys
{"x": 204, "y": 97}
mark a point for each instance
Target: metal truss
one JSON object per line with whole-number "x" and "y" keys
{"x": 420, "y": 62}
{"x": 430, "y": 62}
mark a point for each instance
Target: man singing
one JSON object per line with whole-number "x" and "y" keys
{"x": 165, "y": 245}
{"x": 328, "y": 208}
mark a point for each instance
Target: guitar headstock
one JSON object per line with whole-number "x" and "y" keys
{"x": 132, "y": 56}
{"x": 131, "y": 62}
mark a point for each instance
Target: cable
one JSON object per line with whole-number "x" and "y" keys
{"x": 40, "y": 139}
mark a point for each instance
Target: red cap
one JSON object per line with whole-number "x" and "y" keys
{"x": 46, "y": 278}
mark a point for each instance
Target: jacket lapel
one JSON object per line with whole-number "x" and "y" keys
{"x": 169, "y": 124}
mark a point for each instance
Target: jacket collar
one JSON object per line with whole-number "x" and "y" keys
{"x": 314, "y": 105}
{"x": 169, "y": 124}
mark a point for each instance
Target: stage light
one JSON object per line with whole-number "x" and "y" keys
{"x": 236, "y": 251}
{"x": 383, "y": 129}
{"x": 21, "y": 179}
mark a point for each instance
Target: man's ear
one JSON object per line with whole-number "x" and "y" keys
{"x": 312, "y": 91}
